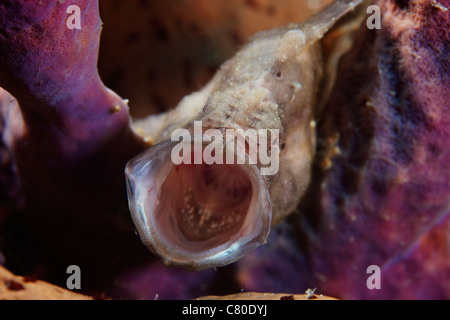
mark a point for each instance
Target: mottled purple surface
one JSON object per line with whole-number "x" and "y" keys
{"x": 75, "y": 143}
{"x": 386, "y": 198}
{"x": 156, "y": 281}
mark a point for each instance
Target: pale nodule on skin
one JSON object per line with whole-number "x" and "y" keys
{"x": 201, "y": 216}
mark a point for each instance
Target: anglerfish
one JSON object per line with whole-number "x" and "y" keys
{"x": 210, "y": 211}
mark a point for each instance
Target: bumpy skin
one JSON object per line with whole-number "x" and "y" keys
{"x": 272, "y": 84}
{"x": 74, "y": 139}
{"x": 273, "y": 89}
{"x": 268, "y": 85}
{"x": 385, "y": 200}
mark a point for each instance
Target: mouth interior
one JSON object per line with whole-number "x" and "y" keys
{"x": 201, "y": 206}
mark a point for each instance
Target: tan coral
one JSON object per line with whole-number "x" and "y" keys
{"x": 268, "y": 296}
{"x": 13, "y": 287}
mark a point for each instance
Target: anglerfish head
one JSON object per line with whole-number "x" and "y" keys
{"x": 197, "y": 215}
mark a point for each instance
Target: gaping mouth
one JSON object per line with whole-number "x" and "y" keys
{"x": 207, "y": 203}
{"x": 197, "y": 215}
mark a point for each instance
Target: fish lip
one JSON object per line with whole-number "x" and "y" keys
{"x": 142, "y": 168}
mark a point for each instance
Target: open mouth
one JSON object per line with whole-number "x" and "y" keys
{"x": 198, "y": 215}
{"x": 207, "y": 203}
